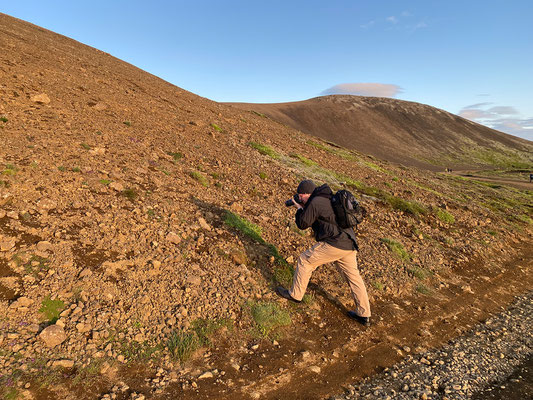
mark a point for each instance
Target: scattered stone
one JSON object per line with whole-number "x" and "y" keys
{"x": 45, "y": 246}
{"x": 315, "y": 369}
{"x": 53, "y": 335}
{"x": 205, "y": 375}
{"x": 64, "y": 363}
{"x": 173, "y": 238}
{"x": 41, "y": 98}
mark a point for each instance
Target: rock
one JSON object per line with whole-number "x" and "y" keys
{"x": 63, "y": 363}
{"x": 45, "y": 246}
{"x": 21, "y": 302}
{"x": 119, "y": 187}
{"x": 53, "y": 335}
{"x": 315, "y": 369}
{"x": 7, "y": 245}
{"x": 235, "y": 366}
{"x": 194, "y": 280}
{"x": 173, "y": 238}
{"x": 41, "y": 98}
{"x": 46, "y": 204}
{"x": 204, "y": 224}
{"x": 205, "y": 375}
{"x": 290, "y": 259}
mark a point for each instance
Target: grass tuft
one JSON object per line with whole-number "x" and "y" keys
{"x": 196, "y": 175}
{"x": 397, "y": 248}
{"x": 216, "y": 127}
{"x": 269, "y": 317}
{"x": 51, "y": 309}
{"x": 265, "y": 150}
{"x": 444, "y": 216}
{"x": 248, "y": 228}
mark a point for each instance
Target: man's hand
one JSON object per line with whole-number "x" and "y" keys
{"x": 298, "y": 205}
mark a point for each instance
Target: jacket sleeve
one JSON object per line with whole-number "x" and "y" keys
{"x": 307, "y": 216}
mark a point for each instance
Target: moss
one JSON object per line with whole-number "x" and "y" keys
{"x": 397, "y": 248}
{"x": 265, "y": 150}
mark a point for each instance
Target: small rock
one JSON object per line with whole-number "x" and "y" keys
{"x": 64, "y": 363}
{"x": 41, "y": 98}
{"x": 203, "y": 223}
{"x": 205, "y": 375}
{"x": 119, "y": 187}
{"x": 173, "y": 238}
{"x": 53, "y": 335}
{"x": 315, "y": 369}
{"x": 44, "y": 246}
{"x": 7, "y": 245}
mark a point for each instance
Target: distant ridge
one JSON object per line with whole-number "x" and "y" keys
{"x": 400, "y": 131}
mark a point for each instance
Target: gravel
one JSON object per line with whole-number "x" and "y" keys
{"x": 487, "y": 354}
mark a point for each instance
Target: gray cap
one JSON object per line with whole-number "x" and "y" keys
{"x": 306, "y": 187}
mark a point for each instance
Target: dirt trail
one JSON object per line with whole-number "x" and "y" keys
{"x": 346, "y": 352}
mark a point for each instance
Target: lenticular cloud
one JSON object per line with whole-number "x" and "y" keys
{"x": 365, "y": 89}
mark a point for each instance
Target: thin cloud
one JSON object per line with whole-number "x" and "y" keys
{"x": 369, "y": 24}
{"x": 365, "y": 89}
{"x": 492, "y": 117}
{"x": 477, "y": 105}
{"x": 503, "y": 110}
{"x": 392, "y": 19}
{"x": 474, "y": 114}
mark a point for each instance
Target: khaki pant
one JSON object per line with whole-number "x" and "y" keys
{"x": 346, "y": 262}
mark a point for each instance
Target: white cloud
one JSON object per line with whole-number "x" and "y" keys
{"x": 365, "y": 89}
{"x": 502, "y": 110}
{"x": 392, "y": 19}
{"x": 492, "y": 118}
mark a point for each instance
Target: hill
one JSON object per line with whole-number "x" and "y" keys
{"x": 142, "y": 231}
{"x": 403, "y": 132}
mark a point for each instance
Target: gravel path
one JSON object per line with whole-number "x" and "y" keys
{"x": 489, "y": 353}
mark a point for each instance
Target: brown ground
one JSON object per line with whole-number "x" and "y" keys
{"x": 399, "y": 131}
{"x": 116, "y": 192}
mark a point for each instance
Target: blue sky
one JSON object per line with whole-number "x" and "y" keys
{"x": 472, "y": 58}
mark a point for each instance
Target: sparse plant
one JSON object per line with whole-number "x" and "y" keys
{"x": 76, "y": 169}
{"x": 419, "y": 272}
{"x": 304, "y": 160}
{"x": 377, "y": 285}
{"x": 216, "y": 127}
{"x": 200, "y": 178}
{"x": 85, "y": 146}
{"x": 127, "y": 123}
{"x": 61, "y": 168}
{"x": 176, "y": 156}
{"x": 444, "y": 216}
{"x": 248, "y": 228}
{"x": 51, "y": 309}
{"x": 259, "y": 114}
{"x": 421, "y": 288}
{"x": 10, "y": 169}
{"x": 182, "y": 344}
{"x": 130, "y": 193}
{"x": 98, "y": 133}
{"x": 135, "y": 350}
{"x": 3, "y": 119}
{"x": 269, "y": 317}
{"x": 105, "y": 182}
{"x": 397, "y": 248}
{"x": 263, "y": 175}
{"x": 265, "y": 150}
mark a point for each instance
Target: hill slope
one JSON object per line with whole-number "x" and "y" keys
{"x": 400, "y": 131}
{"x": 137, "y": 218}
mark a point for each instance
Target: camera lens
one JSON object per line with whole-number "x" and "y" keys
{"x": 289, "y": 203}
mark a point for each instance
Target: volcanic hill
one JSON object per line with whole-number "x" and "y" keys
{"x": 400, "y": 131}
{"x": 137, "y": 219}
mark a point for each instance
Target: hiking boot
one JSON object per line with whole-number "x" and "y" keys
{"x": 365, "y": 321}
{"x": 281, "y": 291}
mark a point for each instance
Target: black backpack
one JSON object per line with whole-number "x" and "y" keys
{"x": 348, "y": 211}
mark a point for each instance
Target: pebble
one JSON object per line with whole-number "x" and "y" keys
{"x": 488, "y": 353}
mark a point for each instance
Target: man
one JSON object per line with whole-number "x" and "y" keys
{"x": 333, "y": 245}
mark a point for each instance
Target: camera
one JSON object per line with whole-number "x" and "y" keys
{"x": 294, "y": 199}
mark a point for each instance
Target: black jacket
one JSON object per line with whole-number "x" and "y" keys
{"x": 318, "y": 214}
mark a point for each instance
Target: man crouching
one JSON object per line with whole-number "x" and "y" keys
{"x": 334, "y": 245}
